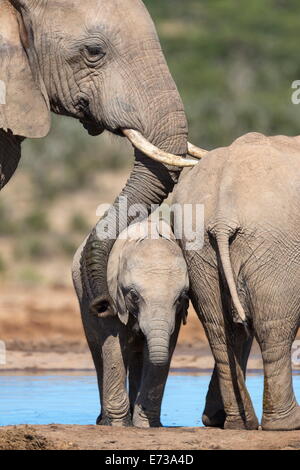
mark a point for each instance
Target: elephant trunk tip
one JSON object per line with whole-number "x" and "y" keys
{"x": 159, "y": 358}
{"x": 158, "y": 362}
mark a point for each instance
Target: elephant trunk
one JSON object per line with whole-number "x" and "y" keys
{"x": 149, "y": 184}
{"x": 158, "y": 342}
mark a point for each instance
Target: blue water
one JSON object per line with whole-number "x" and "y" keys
{"x": 34, "y": 399}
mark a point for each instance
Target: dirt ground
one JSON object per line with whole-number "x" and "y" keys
{"x": 64, "y": 437}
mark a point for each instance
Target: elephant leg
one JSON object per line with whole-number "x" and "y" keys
{"x": 214, "y": 413}
{"x": 147, "y": 408}
{"x": 115, "y": 400}
{"x": 238, "y": 406}
{"x": 107, "y": 342}
{"x": 225, "y": 339}
{"x": 135, "y": 377}
{"x": 280, "y": 408}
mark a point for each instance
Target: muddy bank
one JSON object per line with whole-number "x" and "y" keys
{"x": 106, "y": 438}
{"x": 27, "y": 438}
{"x": 192, "y": 358}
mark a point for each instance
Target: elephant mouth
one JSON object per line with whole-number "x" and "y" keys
{"x": 94, "y": 128}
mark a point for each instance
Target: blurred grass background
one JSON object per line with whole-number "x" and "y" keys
{"x": 234, "y": 65}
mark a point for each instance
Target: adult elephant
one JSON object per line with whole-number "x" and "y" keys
{"x": 100, "y": 62}
{"x": 245, "y": 277}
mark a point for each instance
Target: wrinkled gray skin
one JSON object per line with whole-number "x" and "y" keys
{"x": 148, "y": 283}
{"x": 251, "y": 196}
{"x": 100, "y": 62}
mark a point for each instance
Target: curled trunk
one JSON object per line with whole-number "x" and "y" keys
{"x": 149, "y": 184}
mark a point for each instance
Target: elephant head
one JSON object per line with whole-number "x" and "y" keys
{"x": 148, "y": 281}
{"x": 100, "y": 62}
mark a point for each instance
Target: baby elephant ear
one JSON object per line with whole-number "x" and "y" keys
{"x": 123, "y": 313}
{"x": 24, "y": 105}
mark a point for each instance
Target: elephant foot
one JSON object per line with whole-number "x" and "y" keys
{"x": 141, "y": 420}
{"x": 290, "y": 422}
{"x": 108, "y": 421}
{"x": 214, "y": 419}
{"x": 146, "y": 424}
{"x": 238, "y": 422}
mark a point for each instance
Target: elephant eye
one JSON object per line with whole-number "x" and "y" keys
{"x": 134, "y": 296}
{"x": 95, "y": 52}
{"x": 132, "y": 300}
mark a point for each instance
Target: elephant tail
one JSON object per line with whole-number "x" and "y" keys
{"x": 223, "y": 247}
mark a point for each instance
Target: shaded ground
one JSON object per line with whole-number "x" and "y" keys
{"x": 107, "y": 438}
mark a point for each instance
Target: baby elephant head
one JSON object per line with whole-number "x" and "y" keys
{"x": 148, "y": 281}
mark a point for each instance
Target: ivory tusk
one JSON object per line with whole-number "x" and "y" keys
{"x": 196, "y": 152}
{"x": 155, "y": 153}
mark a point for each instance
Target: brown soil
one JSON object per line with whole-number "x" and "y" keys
{"x": 27, "y": 438}
{"x": 106, "y": 438}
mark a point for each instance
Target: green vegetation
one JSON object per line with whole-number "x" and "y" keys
{"x": 79, "y": 224}
{"x": 234, "y": 63}
{"x": 36, "y": 221}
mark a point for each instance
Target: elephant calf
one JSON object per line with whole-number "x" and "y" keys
{"x": 148, "y": 283}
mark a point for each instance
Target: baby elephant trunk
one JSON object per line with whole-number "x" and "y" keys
{"x": 158, "y": 341}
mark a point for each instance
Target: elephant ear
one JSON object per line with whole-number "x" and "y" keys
{"x": 24, "y": 105}
{"x": 113, "y": 281}
{"x": 123, "y": 313}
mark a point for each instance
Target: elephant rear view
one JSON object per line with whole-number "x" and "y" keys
{"x": 148, "y": 284}
{"x": 245, "y": 280}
